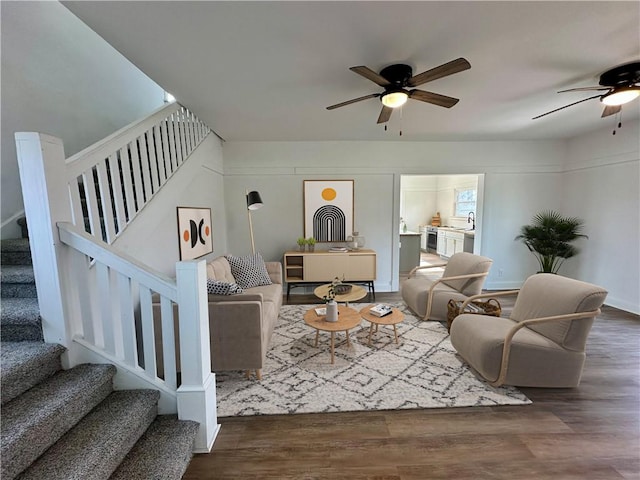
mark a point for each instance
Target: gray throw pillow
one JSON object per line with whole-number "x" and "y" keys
{"x": 249, "y": 271}
{"x": 216, "y": 287}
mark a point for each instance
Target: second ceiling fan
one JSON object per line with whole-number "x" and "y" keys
{"x": 619, "y": 85}
{"x": 398, "y": 78}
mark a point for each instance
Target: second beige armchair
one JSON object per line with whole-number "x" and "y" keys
{"x": 542, "y": 343}
{"x": 428, "y": 295}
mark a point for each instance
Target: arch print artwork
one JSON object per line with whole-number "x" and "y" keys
{"x": 328, "y": 210}
{"x": 195, "y": 232}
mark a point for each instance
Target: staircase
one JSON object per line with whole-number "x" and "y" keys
{"x": 20, "y": 318}
{"x": 64, "y": 424}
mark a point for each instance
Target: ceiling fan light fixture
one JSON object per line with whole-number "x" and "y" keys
{"x": 394, "y": 99}
{"x": 620, "y": 96}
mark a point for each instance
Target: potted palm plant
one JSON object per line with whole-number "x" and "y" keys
{"x": 549, "y": 238}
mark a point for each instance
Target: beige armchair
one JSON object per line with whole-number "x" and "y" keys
{"x": 463, "y": 276}
{"x": 542, "y": 344}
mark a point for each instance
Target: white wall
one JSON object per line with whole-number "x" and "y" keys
{"x": 521, "y": 178}
{"x": 418, "y": 200}
{"x": 601, "y": 186}
{"x": 153, "y": 237}
{"x": 59, "y": 77}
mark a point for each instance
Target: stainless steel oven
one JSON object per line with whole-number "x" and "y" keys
{"x": 432, "y": 239}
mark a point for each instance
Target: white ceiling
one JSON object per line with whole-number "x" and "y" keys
{"x": 268, "y": 70}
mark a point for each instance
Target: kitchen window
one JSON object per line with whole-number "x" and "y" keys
{"x": 465, "y": 202}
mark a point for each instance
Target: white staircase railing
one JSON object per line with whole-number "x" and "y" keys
{"x": 97, "y": 301}
{"x": 116, "y": 296}
{"x": 112, "y": 180}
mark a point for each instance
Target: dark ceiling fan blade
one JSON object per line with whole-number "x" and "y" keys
{"x": 610, "y": 110}
{"x": 385, "y": 114}
{"x": 349, "y": 102}
{"x": 567, "y": 106}
{"x": 434, "y": 98}
{"x": 369, "y": 74}
{"x": 454, "y": 66}
{"x": 584, "y": 89}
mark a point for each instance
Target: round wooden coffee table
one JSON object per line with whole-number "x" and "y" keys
{"x": 393, "y": 318}
{"x": 348, "y": 318}
{"x": 356, "y": 293}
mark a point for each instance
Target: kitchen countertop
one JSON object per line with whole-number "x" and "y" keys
{"x": 410, "y": 233}
{"x": 469, "y": 233}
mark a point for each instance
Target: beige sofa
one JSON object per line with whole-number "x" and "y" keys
{"x": 240, "y": 325}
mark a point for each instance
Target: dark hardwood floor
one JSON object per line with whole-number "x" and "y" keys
{"x": 589, "y": 432}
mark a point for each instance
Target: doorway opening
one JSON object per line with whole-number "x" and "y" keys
{"x": 441, "y": 212}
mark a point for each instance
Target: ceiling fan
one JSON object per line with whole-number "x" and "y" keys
{"x": 620, "y": 84}
{"x": 396, "y": 79}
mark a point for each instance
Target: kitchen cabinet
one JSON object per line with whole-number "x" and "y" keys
{"x": 409, "y": 251}
{"x": 450, "y": 242}
{"x": 442, "y": 242}
{"x": 424, "y": 235}
{"x": 469, "y": 240}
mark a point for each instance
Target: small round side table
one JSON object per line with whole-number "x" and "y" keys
{"x": 393, "y": 318}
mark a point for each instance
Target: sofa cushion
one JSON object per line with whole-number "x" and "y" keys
{"x": 219, "y": 269}
{"x": 249, "y": 271}
{"x": 270, "y": 293}
{"x": 216, "y": 287}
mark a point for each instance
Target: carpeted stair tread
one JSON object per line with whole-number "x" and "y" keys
{"x": 20, "y": 320}
{"x": 17, "y": 274}
{"x": 18, "y": 281}
{"x": 25, "y": 364}
{"x": 163, "y": 452}
{"x": 95, "y": 447}
{"x": 19, "y": 310}
{"x": 15, "y": 251}
{"x": 35, "y": 420}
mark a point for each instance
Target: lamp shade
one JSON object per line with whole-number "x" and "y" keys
{"x": 395, "y": 99}
{"x": 254, "y": 202}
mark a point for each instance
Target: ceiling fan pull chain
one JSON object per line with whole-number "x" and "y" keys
{"x": 618, "y": 119}
{"x": 400, "y": 121}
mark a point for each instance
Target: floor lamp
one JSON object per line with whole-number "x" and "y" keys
{"x": 254, "y": 202}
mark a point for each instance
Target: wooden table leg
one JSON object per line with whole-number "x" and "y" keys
{"x": 333, "y": 334}
{"x": 395, "y": 332}
{"x": 348, "y": 340}
{"x": 317, "y": 334}
{"x": 370, "y": 333}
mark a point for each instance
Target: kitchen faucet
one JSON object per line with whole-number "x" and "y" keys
{"x": 472, "y": 217}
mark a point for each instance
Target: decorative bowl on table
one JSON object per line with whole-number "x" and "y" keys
{"x": 342, "y": 288}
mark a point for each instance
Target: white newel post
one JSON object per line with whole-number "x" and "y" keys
{"x": 197, "y": 392}
{"x": 45, "y": 194}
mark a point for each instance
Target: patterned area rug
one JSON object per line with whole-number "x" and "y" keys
{"x": 423, "y": 371}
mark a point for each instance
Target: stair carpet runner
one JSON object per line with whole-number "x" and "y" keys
{"x": 64, "y": 424}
